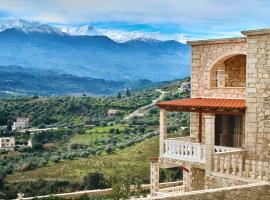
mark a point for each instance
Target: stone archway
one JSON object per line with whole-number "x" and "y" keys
{"x": 228, "y": 70}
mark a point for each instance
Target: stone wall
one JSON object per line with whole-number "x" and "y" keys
{"x": 196, "y": 179}
{"x": 205, "y": 54}
{"x": 102, "y": 192}
{"x": 194, "y": 126}
{"x": 219, "y": 181}
{"x": 256, "y": 191}
{"x": 257, "y": 140}
{"x": 235, "y": 71}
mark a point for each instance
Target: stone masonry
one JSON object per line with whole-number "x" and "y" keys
{"x": 231, "y": 68}
{"x": 257, "y": 139}
{"x": 235, "y": 68}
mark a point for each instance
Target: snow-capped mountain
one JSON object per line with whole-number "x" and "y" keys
{"x": 81, "y": 30}
{"x": 28, "y": 26}
{"x": 116, "y": 35}
{"x": 41, "y": 46}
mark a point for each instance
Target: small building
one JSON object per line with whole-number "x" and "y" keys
{"x": 112, "y": 112}
{"x": 7, "y": 143}
{"x": 20, "y": 123}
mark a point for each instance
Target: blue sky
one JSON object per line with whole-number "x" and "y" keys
{"x": 170, "y": 19}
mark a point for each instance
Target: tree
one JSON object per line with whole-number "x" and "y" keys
{"x": 117, "y": 131}
{"x": 2, "y": 178}
{"x": 9, "y": 126}
{"x": 121, "y": 186}
{"x": 94, "y": 180}
{"x": 109, "y": 149}
{"x": 119, "y": 95}
{"x": 128, "y": 92}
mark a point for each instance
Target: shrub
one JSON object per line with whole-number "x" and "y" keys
{"x": 84, "y": 154}
{"x": 91, "y": 150}
{"x": 70, "y": 156}
{"x": 55, "y": 159}
{"x": 94, "y": 180}
{"x": 109, "y": 149}
{"x": 42, "y": 126}
{"x": 111, "y": 130}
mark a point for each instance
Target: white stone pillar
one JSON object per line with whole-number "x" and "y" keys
{"x": 162, "y": 131}
{"x": 186, "y": 181}
{"x": 154, "y": 178}
{"x": 209, "y": 142}
{"x": 220, "y": 78}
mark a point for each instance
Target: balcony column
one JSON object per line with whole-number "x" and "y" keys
{"x": 209, "y": 142}
{"x": 220, "y": 78}
{"x": 154, "y": 178}
{"x": 162, "y": 131}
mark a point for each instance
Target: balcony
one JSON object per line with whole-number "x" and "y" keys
{"x": 184, "y": 149}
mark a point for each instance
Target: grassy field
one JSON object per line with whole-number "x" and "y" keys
{"x": 93, "y": 134}
{"x": 101, "y": 129}
{"x": 134, "y": 160}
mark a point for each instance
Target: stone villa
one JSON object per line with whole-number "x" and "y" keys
{"x": 229, "y": 142}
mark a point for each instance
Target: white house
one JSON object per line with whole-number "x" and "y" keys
{"x": 20, "y": 123}
{"x": 7, "y": 143}
{"x": 112, "y": 112}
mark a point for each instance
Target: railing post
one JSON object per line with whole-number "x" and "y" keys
{"x": 216, "y": 163}
{"x": 209, "y": 142}
{"x": 260, "y": 167}
{"x": 221, "y": 162}
{"x": 162, "y": 131}
{"x": 266, "y": 167}
{"x": 253, "y": 163}
{"x": 234, "y": 161}
{"x": 240, "y": 165}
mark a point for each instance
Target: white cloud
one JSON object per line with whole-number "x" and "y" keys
{"x": 153, "y": 11}
{"x": 210, "y": 16}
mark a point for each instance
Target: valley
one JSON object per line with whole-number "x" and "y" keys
{"x": 89, "y": 139}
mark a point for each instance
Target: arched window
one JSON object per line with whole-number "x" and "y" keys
{"x": 229, "y": 72}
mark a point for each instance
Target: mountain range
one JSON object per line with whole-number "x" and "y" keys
{"x": 16, "y": 81}
{"x": 81, "y": 53}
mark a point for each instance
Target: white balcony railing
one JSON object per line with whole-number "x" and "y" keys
{"x": 223, "y": 149}
{"x": 232, "y": 162}
{"x": 183, "y": 149}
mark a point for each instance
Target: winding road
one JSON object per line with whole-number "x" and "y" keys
{"x": 142, "y": 110}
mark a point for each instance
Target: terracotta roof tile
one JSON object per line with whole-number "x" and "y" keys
{"x": 205, "y": 103}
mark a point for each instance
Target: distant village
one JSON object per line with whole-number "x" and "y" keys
{"x": 21, "y": 124}
{"x": 9, "y": 143}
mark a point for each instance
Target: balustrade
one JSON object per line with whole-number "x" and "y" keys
{"x": 182, "y": 149}
{"x": 233, "y": 163}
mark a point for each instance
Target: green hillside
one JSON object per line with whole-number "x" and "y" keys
{"x": 84, "y": 139}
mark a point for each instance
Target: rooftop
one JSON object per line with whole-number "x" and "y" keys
{"x": 218, "y": 41}
{"x": 203, "y": 103}
{"x": 256, "y": 32}
{"x": 231, "y": 40}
